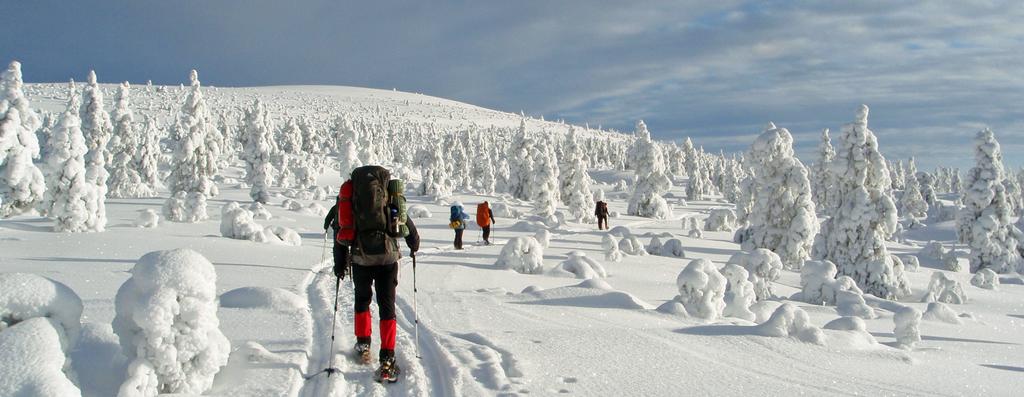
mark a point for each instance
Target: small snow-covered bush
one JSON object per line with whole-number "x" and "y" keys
{"x": 764, "y": 267}
{"x": 852, "y": 324}
{"x": 850, "y": 302}
{"x": 701, "y": 289}
{"x": 933, "y": 250}
{"x": 148, "y": 218}
{"x": 291, "y": 205}
{"x": 907, "y": 323}
{"x": 522, "y": 254}
{"x": 944, "y": 289}
{"x": 631, "y": 245}
{"x": 951, "y": 262}
{"x": 166, "y": 320}
{"x": 277, "y": 235}
{"x": 611, "y": 248}
{"x": 720, "y": 220}
{"x": 543, "y": 237}
{"x": 195, "y": 207}
{"x": 620, "y": 231}
{"x": 237, "y": 222}
{"x": 816, "y": 282}
{"x": 692, "y": 228}
{"x": 985, "y": 278}
{"x": 174, "y": 208}
{"x": 910, "y": 263}
{"x": 654, "y": 248}
{"x": 24, "y": 296}
{"x": 33, "y": 360}
{"x": 938, "y": 311}
{"x": 504, "y": 210}
{"x": 672, "y": 248}
{"x": 417, "y": 211}
{"x": 259, "y": 211}
{"x": 581, "y": 266}
{"x": 740, "y": 293}
{"x": 791, "y": 321}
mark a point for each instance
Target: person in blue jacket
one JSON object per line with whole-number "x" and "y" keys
{"x": 458, "y": 222}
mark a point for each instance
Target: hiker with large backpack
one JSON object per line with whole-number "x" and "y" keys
{"x": 601, "y": 211}
{"x": 485, "y": 218}
{"x": 370, "y": 215}
{"x": 457, "y": 221}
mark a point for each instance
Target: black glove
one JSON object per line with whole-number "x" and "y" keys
{"x": 339, "y": 270}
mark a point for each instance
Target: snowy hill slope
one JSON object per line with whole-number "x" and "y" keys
{"x": 484, "y": 330}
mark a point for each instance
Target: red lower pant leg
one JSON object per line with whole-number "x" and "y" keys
{"x": 364, "y": 327}
{"x": 388, "y": 329}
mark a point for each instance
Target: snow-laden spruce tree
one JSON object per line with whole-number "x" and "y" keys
{"x": 912, "y": 204}
{"x": 147, "y": 156}
{"x": 190, "y": 168}
{"x": 286, "y": 159}
{"x": 731, "y": 180}
{"x": 435, "y": 177}
{"x": 545, "y": 179}
{"x": 21, "y": 183}
{"x": 70, "y": 199}
{"x": 575, "y": 184}
{"x": 854, "y": 237}
{"x": 259, "y": 136}
{"x": 652, "y": 180}
{"x": 984, "y": 223}
{"x": 484, "y": 178}
{"x": 98, "y": 129}
{"x": 520, "y": 164}
{"x": 782, "y": 218}
{"x": 822, "y": 179}
{"x": 125, "y": 180}
{"x": 346, "y": 137}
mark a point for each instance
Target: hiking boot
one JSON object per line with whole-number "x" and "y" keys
{"x": 362, "y": 351}
{"x": 388, "y": 370}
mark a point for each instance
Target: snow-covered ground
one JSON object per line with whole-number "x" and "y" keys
{"x": 485, "y": 330}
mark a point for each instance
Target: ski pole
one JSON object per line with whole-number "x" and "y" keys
{"x": 415, "y": 315}
{"x": 334, "y": 324}
{"x": 323, "y": 252}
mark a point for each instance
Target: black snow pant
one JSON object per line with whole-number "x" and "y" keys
{"x": 602, "y": 222}
{"x": 458, "y": 238}
{"x": 487, "y": 234}
{"x": 340, "y": 254}
{"x": 383, "y": 279}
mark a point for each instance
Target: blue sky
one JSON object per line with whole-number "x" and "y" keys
{"x": 933, "y": 73}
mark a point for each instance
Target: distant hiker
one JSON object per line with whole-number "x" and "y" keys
{"x": 601, "y": 211}
{"x": 458, "y": 223}
{"x": 369, "y": 216}
{"x": 485, "y": 218}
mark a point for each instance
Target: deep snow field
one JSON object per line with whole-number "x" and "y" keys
{"x": 484, "y": 330}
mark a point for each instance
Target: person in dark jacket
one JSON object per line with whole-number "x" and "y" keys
{"x": 366, "y": 279}
{"x": 601, "y": 211}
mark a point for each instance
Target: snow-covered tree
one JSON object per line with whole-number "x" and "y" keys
{"x": 854, "y": 237}
{"x": 125, "y": 180}
{"x": 435, "y": 178}
{"x": 544, "y": 179}
{"x": 70, "y": 199}
{"x": 286, "y": 159}
{"x": 984, "y": 223}
{"x": 652, "y": 180}
{"x": 912, "y": 204}
{"x": 190, "y": 168}
{"x": 484, "y": 178}
{"x": 575, "y": 184}
{"x": 348, "y": 156}
{"x": 21, "y": 183}
{"x": 147, "y": 156}
{"x": 520, "y": 164}
{"x": 98, "y": 129}
{"x": 821, "y": 176}
{"x": 256, "y": 152}
{"x": 783, "y": 218}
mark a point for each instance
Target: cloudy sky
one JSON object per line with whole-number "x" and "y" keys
{"x": 932, "y": 72}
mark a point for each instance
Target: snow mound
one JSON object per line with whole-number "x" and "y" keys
{"x": 854, "y": 326}
{"x": 259, "y": 211}
{"x": 522, "y": 254}
{"x": 166, "y": 320}
{"x": 148, "y": 218}
{"x": 24, "y": 296}
{"x": 791, "y": 321}
{"x": 631, "y": 245}
{"x": 764, "y": 310}
{"x": 528, "y": 226}
{"x": 907, "y": 321}
{"x": 592, "y": 293}
{"x": 417, "y": 211}
{"x": 620, "y": 231}
{"x": 504, "y": 210}
{"x": 944, "y": 289}
{"x": 543, "y": 237}
{"x": 850, "y": 301}
{"x": 720, "y": 220}
{"x": 291, "y": 205}
{"x": 985, "y": 278}
{"x": 701, "y": 289}
{"x": 910, "y": 263}
{"x": 594, "y": 283}
{"x": 672, "y": 248}
{"x": 938, "y": 311}
{"x": 237, "y": 222}
{"x": 763, "y": 266}
{"x": 32, "y": 360}
{"x": 933, "y": 250}
{"x": 580, "y": 266}
{"x": 262, "y": 297}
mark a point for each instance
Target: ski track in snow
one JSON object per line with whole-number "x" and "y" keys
{"x": 437, "y": 372}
